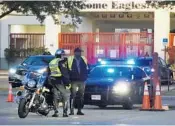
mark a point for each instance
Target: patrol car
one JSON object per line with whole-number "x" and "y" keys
{"x": 115, "y": 84}
{"x": 38, "y": 63}
{"x": 145, "y": 63}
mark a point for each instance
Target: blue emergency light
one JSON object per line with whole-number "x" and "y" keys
{"x": 103, "y": 62}
{"x": 99, "y": 60}
{"x": 131, "y": 62}
{"x": 110, "y": 70}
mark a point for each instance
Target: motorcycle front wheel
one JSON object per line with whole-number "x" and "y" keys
{"x": 23, "y": 109}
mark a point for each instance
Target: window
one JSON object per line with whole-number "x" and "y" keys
{"x": 144, "y": 62}
{"x": 162, "y": 62}
{"x": 37, "y": 61}
{"x": 114, "y": 72}
{"x": 139, "y": 73}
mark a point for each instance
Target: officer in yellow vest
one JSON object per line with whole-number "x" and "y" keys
{"x": 59, "y": 76}
{"x": 78, "y": 68}
{"x": 172, "y": 67}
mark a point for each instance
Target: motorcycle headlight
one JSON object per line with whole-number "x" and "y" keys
{"x": 42, "y": 70}
{"x": 12, "y": 71}
{"x": 31, "y": 83}
{"x": 121, "y": 88}
{"x": 25, "y": 80}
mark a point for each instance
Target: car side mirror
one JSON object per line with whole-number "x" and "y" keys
{"x": 168, "y": 65}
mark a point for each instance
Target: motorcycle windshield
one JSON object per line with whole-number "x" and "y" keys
{"x": 41, "y": 81}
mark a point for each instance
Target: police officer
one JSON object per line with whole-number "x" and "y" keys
{"x": 59, "y": 76}
{"x": 78, "y": 73}
{"x": 172, "y": 67}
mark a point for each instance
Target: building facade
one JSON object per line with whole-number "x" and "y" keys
{"x": 99, "y": 16}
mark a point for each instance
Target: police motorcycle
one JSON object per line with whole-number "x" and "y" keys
{"x": 36, "y": 97}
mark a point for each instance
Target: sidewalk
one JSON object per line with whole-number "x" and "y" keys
{"x": 3, "y": 72}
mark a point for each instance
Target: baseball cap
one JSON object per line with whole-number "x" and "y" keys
{"x": 78, "y": 50}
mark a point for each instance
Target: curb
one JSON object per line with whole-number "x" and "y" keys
{"x": 4, "y": 74}
{"x": 4, "y": 91}
{"x": 168, "y": 97}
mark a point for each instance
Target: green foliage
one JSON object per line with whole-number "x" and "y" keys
{"x": 161, "y": 4}
{"x": 12, "y": 54}
{"x": 36, "y": 51}
{"x": 44, "y": 8}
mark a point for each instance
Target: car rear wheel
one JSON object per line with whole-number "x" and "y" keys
{"x": 171, "y": 80}
{"x": 128, "y": 104}
{"x": 102, "y": 106}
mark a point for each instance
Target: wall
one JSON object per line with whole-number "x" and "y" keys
{"x": 5, "y": 31}
{"x": 67, "y": 29}
{"x": 109, "y": 26}
{"x": 27, "y": 29}
{"x": 172, "y": 24}
{"x": 86, "y": 25}
{"x": 35, "y": 29}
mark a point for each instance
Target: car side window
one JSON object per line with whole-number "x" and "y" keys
{"x": 139, "y": 73}
{"x": 38, "y": 62}
{"x": 163, "y": 62}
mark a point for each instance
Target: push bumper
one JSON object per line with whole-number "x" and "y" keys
{"x": 104, "y": 99}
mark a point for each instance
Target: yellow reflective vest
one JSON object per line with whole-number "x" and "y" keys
{"x": 71, "y": 59}
{"x": 172, "y": 67}
{"x": 54, "y": 69}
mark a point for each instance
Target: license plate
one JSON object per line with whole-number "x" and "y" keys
{"x": 96, "y": 97}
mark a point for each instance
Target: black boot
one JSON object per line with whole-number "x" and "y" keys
{"x": 55, "y": 114}
{"x": 80, "y": 112}
{"x": 55, "y": 103}
{"x": 79, "y": 105}
{"x": 65, "y": 108}
{"x": 71, "y": 107}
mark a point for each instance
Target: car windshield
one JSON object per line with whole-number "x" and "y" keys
{"x": 114, "y": 72}
{"x": 37, "y": 61}
{"x": 144, "y": 62}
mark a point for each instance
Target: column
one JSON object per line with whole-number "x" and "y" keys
{"x": 85, "y": 26}
{"x": 161, "y": 30}
{"x": 51, "y": 34}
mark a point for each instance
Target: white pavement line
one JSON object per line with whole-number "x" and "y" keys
{"x": 3, "y": 77}
{"x": 75, "y": 117}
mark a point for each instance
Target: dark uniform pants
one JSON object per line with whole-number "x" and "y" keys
{"x": 77, "y": 87}
{"x": 59, "y": 89}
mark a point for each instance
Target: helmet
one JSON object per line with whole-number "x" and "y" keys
{"x": 59, "y": 52}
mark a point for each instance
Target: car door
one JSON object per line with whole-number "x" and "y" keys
{"x": 138, "y": 88}
{"x": 163, "y": 69}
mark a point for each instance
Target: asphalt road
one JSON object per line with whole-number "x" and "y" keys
{"x": 4, "y": 84}
{"x": 93, "y": 116}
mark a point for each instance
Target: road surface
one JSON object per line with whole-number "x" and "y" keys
{"x": 4, "y": 84}
{"x": 93, "y": 116}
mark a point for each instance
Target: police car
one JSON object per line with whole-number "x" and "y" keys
{"x": 39, "y": 63}
{"x": 115, "y": 84}
{"x": 165, "y": 73}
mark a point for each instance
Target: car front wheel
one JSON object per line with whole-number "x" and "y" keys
{"x": 171, "y": 80}
{"x": 128, "y": 104}
{"x": 102, "y": 106}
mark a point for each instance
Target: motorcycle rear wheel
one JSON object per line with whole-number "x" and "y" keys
{"x": 23, "y": 110}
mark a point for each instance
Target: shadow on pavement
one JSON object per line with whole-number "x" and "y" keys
{"x": 109, "y": 108}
